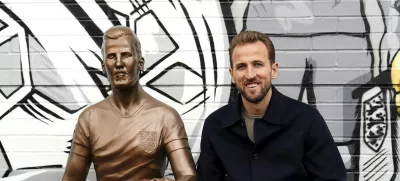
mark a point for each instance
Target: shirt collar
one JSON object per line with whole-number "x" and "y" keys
{"x": 274, "y": 114}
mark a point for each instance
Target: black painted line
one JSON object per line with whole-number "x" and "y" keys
{"x": 196, "y": 105}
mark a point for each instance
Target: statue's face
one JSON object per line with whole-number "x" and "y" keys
{"x": 122, "y": 63}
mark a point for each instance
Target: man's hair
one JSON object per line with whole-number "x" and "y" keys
{"x": 245, "y": 37}
{"x": 116, "y": 32}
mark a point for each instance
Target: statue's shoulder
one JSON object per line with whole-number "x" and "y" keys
{"x": 92, "y": 109}
{"x": 156, "y": 105}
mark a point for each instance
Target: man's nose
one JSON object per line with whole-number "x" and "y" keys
{"x": 250, "y": 74}
{"x": 118, "y": 63}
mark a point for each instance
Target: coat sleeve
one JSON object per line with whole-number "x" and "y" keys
{"x": 322, "y": 158}
{"x": 209, "y": 167}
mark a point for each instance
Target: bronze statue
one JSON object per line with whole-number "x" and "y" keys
{"x": 128, "y": 135}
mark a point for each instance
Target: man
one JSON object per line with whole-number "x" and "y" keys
{"x": 265, "y": 135}
{"x": 129, "y": 134}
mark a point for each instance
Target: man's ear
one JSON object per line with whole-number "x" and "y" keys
{"x": 141, "y": 64}
{"x": 103, "y": 67}
{"x": 274, "y": 70}
{"x": 231, "y": 73}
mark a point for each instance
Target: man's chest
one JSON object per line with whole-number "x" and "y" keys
{"x": 277, "y": 150}
{"x": 139, "y": 136}
{"x": 271, "y": 144}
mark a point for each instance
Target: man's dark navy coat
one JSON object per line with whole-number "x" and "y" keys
{"x": 292, "y": 143}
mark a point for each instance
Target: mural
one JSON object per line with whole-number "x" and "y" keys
{"x": 339, "y": 56}
{"x": 51, "y": 67}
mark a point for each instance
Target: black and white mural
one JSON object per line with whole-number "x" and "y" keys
{"x": 338, "y": 56}
{"x": 51, "y": 70}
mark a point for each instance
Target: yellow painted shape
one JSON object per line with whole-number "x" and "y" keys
{"x": 395, "y": 76}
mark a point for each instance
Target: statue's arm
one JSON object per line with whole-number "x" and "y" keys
{"x": 182, "y": 165}
{"x": 79, "y": 161}
{"x": 77, "y": 168}
{"x": 176, "y": 144}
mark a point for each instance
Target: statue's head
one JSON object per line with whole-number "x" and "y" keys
{"x": 122, "y": 57}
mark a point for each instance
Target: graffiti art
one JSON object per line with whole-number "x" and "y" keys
{"x": 338, "y": 56}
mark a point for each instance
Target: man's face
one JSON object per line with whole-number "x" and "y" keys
{"x": 251, "y": 71}
{"x": 121, "y": 63}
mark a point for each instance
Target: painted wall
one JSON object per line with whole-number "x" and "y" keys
{"x": 339, "y": 56}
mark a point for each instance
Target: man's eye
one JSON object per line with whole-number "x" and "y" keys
{"x": 110, "y": 56}
{"x": 126, "y": 55}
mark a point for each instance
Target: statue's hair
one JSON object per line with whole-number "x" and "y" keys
{"x": 116, "y": 32}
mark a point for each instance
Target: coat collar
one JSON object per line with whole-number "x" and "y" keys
{"x": 275, "y": 113}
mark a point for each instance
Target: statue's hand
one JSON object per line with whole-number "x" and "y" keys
{"x": 161, "y": 179}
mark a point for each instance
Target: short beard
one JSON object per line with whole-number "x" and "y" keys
{"x": 131, "y": 84}
{"x": 258, "y": 98}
